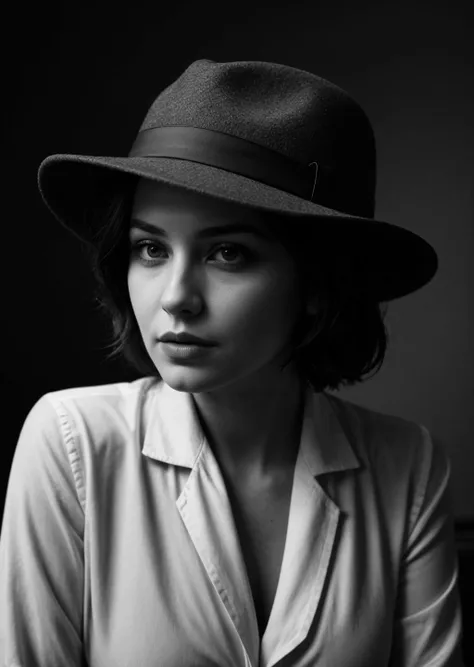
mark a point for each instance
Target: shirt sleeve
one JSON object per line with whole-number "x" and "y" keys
{"x": 428, "y": 623}
{"x": 42, "y": 548}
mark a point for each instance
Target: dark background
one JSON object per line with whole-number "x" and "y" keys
{"x": 80, "y": 80}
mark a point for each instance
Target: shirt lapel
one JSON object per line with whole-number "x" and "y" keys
{"x": 312, "y": 529}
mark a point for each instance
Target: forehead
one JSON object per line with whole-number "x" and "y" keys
{"x": 164, "y": 205}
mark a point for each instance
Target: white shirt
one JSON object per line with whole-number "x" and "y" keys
{"x": 118, "y": 546}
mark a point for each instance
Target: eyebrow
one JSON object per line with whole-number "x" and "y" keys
{"x": 208, "y": 232}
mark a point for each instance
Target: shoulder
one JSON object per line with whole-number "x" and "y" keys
{"x": 114, "y": 393}
{"x": 374, "y": 433}
{"x": 98, "y": 404}
{"x": 66, "y": 419}
{"x": 405, "y": 469}
{"x": 399, "y": 454}
{"x": 70, "y": 432}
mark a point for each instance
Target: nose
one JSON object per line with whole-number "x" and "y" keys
{"x": 181, "y": 290}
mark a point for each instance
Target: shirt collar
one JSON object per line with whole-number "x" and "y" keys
{"x": 174, "y": 434}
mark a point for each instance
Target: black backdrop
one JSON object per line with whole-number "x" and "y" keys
{"x": 79, "y": 79}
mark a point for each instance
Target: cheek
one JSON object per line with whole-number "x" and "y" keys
{"x": 264, "y": 311}
{"x": 141, "y": 299}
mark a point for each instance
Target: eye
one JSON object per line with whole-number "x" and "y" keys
{"x": 232, "y": 249}
{"x": 138, "y": 248}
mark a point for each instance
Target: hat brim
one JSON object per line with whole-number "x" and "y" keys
{"x": 391, "y": 261}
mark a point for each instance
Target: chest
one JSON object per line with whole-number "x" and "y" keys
{"x": 261, "y": 519}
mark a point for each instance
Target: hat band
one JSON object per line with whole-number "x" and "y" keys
{"x": 228, "y": 152}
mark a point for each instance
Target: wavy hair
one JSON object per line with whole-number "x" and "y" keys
{"x": 340, "y": 346}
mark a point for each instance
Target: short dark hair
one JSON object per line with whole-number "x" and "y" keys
{"x": 341, "y": 345}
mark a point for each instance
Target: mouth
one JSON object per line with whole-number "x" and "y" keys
{"x": 180, "y": 351}
{"x": 186, "y": 343}
{"x": 181, "y": 344}
{"x": 185, "y": 339}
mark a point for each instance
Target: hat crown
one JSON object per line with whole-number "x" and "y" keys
{"x": 291, "y": 111}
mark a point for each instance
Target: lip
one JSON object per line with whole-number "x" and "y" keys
{"x": 180, "y": 351}
{"x": 185, "y": 339}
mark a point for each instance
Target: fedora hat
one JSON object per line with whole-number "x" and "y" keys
{"x": 269, "y": 137}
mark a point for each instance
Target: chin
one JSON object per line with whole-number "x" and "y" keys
{"x": 189, "y": 379}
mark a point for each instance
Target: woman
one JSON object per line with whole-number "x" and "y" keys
{"x": 223, "y": 509}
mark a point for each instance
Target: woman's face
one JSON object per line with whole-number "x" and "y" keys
{"x": 237, "y": 289}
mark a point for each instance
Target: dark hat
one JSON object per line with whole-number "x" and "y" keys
{"x": 266, "y": 136}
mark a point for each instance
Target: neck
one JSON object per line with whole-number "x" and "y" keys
{"x": 254, "y": 427}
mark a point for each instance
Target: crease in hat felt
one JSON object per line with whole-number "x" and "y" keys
{"x": 275, "y": 106}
